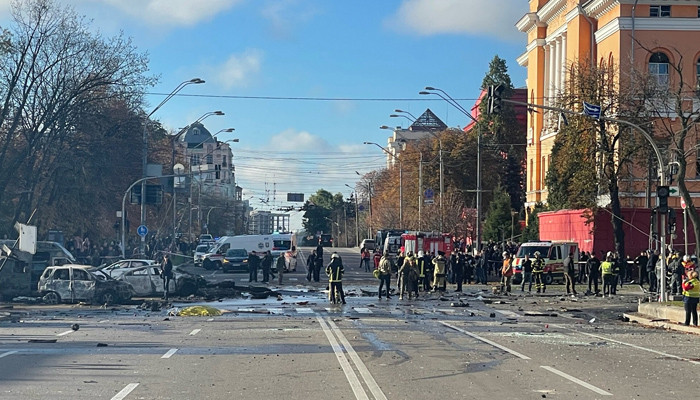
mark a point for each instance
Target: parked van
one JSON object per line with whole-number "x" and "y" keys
{"x": 553, "y": 253}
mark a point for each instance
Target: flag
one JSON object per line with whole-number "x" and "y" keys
{"x": 591, "y": 110}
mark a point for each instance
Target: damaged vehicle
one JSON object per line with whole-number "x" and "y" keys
{"x": 146, "y": 281}
{"x": 72, "y": 283}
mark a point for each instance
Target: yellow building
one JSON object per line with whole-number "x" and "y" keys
{"x": 646, "y": 35}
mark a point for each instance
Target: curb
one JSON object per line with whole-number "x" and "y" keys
{"x": 661, "y": 323}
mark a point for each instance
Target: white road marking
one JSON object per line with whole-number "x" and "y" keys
{"x": 64, "y": 333}
{"x": 508, "y": 313}
{"x": 210, "y": 319}
{"x": 169, "y": 353}
{"x": 369, "y": 380}
{"x": 103, "y": 321}
{"x": 195, "y": 331}
{"x": 577, "y": 381}
{"x": 363, "y": 310}
{"x": 275, "y": 310}
{"x": 634, "y": 346}
{"x": 7, "y": 353}
{"x": 305, "y": 311}
{"x": 494, "y": 344}
{"x": 333, "y": 310}
{"x": 124, "y": 392}
{"x": 355, "y": 384}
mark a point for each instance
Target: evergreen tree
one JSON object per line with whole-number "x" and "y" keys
{"x": 499, "y": 224}
{"x": 532, "y": 230}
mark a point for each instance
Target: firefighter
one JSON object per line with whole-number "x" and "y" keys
{"x": 538, "y": 272}
{"x": 420, "y": 264}
{"x": 439, "y": 283}
{"x": 386, "y": 265}
{"x": 688, "y": 264}
{"x": 335, "y": 271}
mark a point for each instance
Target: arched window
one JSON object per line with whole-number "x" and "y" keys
{"x": 658, "y": 68}
{"x": 697, "y": 74}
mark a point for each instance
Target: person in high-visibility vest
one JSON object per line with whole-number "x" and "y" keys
{"x": 538, "y": 271}
{"x": 439, "y": 283}
{"x": 691, "y": 296}
{"x": 335, "y": 271}
{"x": 606, "y": 271}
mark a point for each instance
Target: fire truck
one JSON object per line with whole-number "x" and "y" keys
{"x": 428, "y": 242}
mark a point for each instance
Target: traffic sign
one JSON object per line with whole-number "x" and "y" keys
{"x": 142, "y": 230}
{"x": 682, "y": 203}
{"x": 429, "y": 193}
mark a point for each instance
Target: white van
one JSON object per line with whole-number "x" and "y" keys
{"x": 553, "y": 254}
{"x": 276, "y": 243}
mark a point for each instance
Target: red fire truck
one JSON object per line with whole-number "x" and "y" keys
{"x": 428, "y": 242}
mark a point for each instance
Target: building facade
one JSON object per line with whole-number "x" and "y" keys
{"x": 647, "y": 36}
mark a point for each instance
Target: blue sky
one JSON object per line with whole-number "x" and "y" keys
{"x": 263, "y": 60}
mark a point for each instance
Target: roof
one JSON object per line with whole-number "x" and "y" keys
{"x": 196, "y": 135}
{"x": 428, "y": 121}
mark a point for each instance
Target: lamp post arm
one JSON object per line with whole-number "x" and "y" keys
{"x": 454, "y": 103}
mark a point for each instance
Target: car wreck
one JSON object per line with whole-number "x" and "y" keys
{"x": 72, "y": 283}
{"x": 146, "y": 280}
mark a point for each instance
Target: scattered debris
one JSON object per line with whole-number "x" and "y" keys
{"x": 42, "y": 340}
{"x": 540, "y": 314}
{"x": 460, "y": 304}
{"x": 75, "y": 327}
{"x": 492, "y": 315}
{"x": 592, "y": 320}
{"x": 101, "y": 344}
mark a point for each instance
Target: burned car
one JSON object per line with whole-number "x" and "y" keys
{"x": 146, "y": 280}
{"x": 72, "y": 283}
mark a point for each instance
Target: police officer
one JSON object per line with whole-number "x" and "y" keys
{"x": 253, "y": 263}
{"x": 593, "y": 267}
{"x": 335, "y": 271}
{"x": 606, "y": 270}
{"x": 538, "y": 272}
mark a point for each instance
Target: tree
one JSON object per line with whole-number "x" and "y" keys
{"x": 532, "y": 230}
{"x": 318, "y": 210}
{"x": 500, "y": 224}
{"x": 55, "y": 75}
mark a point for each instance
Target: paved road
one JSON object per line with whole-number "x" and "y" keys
{"x": 300, "y": 347}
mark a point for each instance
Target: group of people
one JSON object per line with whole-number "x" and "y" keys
{"x": 265, "y": 263}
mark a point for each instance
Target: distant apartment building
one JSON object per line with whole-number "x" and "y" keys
{"x": 642, "y": 35}
{"x": 267, "y": 222}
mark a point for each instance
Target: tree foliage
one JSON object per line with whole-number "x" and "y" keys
{"x": 500, "y": 224}
{"x": 320, "y": 208}
{"x": 68, "y": 105}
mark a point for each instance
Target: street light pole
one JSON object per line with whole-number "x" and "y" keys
{"x": 145, "y": 151}
{"x": 400, "y": 181}
{"x": 357, "y": 222}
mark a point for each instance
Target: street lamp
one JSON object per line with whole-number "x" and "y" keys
{"x": 400, "y": 181}
{"x": 369, "y": 194}
{"x": 443, "y": 95}
{"x": 357, "y": 223}
{"x": 179, "y": 87}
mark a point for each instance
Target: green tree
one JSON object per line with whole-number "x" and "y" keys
{"x": 532, "y": 230}
{"x": 500, "y": 223}
{"x": 319, "y": 208}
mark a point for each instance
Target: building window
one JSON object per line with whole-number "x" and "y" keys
{"x": 659, "y": 11}
{"x": 658, "y": 68}
{"x": 697, "y": 74}
{"x": 210, "y": 159}
{"x": 194, "y": 159}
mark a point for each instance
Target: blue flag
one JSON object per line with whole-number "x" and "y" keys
{"x": 591, "y": 110}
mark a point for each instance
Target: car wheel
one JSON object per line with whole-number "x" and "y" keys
{"x": 108, "y": 297}
{"x": 548, "y": 279}
{"x": 52, "y": 298}
{"x": 188, "y": 288}
{"x": 208, "y": 264}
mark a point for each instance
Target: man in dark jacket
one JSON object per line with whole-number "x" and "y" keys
{"x": 310, "y": 261}
{"x": 593, "y": 267}
{"x": 570, "y": 273}
{"x": 651, "y": 270}
{"x": 166, "y": 272}
{"x": 266, "y": 264}
{"x": 253, "y": 264}
{"x": 318, "y": 264}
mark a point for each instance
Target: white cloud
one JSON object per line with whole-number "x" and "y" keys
{"x": 474, "y": 17}
{"x": 172, "y": 12}
{"x": 284, "y": 15}
{"x": 238, "y": 70}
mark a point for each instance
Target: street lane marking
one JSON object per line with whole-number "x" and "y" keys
{"x": 65, "y": 333}
{"x": 577, "y": 381}
{"x": 363, "y": 310}
{"x": 7, "y": 353}
{"x": 350, "y": 375}
{"x": 195, "y": 331}
{"x": 494, "y": 344}
{"x": 275, "y": 311}
{"x": 125, "y": 392}
{"x": 508, "y": 313}
{"x": 103, "y": 321}
{"x": 661, "y": 353}
{"x": 169, "y": 353}
{"x": 305, "y": 311}
{"x": 366, "y": 375}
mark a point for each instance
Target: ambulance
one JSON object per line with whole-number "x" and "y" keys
{"x": 553, "y": 254}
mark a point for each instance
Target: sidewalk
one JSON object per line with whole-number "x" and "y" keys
{"x": 661, "y": 315}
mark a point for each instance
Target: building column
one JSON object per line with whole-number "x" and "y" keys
{"x": 562, "y": 78}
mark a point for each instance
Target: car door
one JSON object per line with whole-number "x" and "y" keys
{"x": 156, "y": 281}
{"x": 82, "y": 284}
{"x": 140, "y": 280}
{"x": 58, "y": 281}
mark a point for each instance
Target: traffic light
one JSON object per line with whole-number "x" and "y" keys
{"x": 662, "y": 193}
{"x": 672, "y": 220}
{"x": 496, "y": 99}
